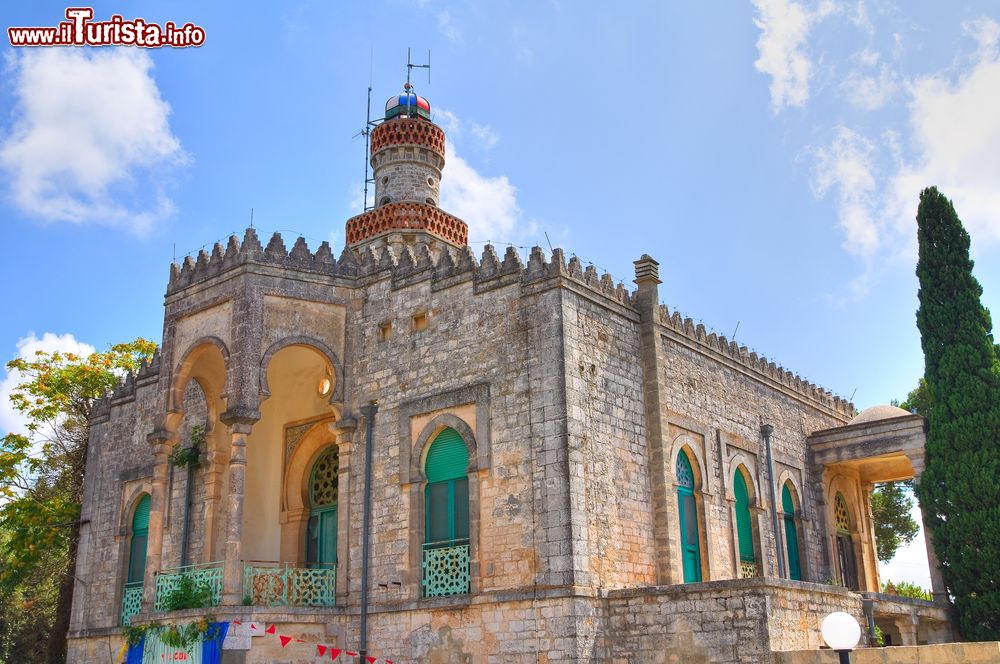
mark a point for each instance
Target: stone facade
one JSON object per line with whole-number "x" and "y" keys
{"x": 574, "y": 397}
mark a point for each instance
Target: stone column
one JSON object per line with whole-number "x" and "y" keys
{"x": 934, "y": 565}
{"x": 647, "y": 277}
{"x": 344, "y": 429}
{"x": 160, "y": 440}
{"x": 240, "y": 423}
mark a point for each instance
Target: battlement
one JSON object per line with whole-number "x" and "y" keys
{"x": 759, "y": 364}
{"x": 147, "y": 374}
{"x": 236, "y": 253}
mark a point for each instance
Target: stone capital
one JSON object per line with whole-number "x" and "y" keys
{"x": 240, "y": 415}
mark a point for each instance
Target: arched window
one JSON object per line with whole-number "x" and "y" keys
{"x": 744, "y": 527}
{"x": 132, "y": 595}
{"x": 791, "y": 533}
{"x": 688, "y": 508}
{"x": 321, "y": 530}
{"x": 845, "y": 546}
{"x": 446, "y": 505}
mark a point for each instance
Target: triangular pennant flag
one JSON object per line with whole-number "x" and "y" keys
{"x": 253, "y": 626}
{"x": 350, "y": 654}
{"x": 371, "y": 660}
{"x": 269, "y": 630}
{"x": 237, "y": 622}
{"x": 284, "y": 640}
{"x": 335, "y": 653}
{"x": 299, "y": 641}
{"x": 320, "y": 650}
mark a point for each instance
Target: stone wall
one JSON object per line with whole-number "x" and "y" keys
{"x": 720, "y": 622}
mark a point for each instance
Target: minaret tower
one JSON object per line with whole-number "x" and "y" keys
{"x": 407, "y": 156}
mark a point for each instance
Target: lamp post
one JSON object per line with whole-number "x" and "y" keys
{"x": 766, "y": 430}
{"x": 841, "y": 632}
{"x": 368, "y": 411}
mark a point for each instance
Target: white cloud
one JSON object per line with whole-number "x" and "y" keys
{"x": 869, "y": 92}
{"x": 88, "y": 123}
{"x": 846, "y": 166}
{"x": 955, "y": 128}
{"x": 449, "y": 27}
{"x": 487, "y": 204}
{"x": 785, "y": 27}
{"x": 10, "y": 420}
{"x": 486, "y": 136}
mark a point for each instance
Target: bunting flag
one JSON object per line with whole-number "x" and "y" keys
{"x": 237, "y": 622}
{"x": 284, "y": 640}
{"x": 335, "y": 653}
{"x": 320, "y": 650}
{"x": 350, "y": 654}
{"x": 371, "y": 660}
{"x": 269, "y": 630}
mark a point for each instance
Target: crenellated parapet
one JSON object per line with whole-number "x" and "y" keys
{"x": 146, "y": 375}
{"x": 456, "y": 264}
{"x": 250, "y": 251}
{"x": 749, "y": 359}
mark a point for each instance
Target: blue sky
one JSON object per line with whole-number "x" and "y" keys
{"x": 769, "y": 154}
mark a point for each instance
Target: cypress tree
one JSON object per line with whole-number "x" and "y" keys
{"x": 960, "y": 486}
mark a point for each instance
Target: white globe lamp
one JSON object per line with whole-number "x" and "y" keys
{"x": 841, "y": 632}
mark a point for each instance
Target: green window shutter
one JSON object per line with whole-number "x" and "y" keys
{"x": 688, "y": 510}
{"x": 140, "y": 519}
{"x": 137, "y": 546}
{"x": 448, "y": 457}
{"x": 743, "y": 527}
{"x": 786, "y": 501}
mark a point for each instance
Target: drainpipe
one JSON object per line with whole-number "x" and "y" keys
{"x": 369, "y": 413}
{"x": 767, "y": 430}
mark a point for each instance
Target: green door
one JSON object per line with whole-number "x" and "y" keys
{"x": 791, "y": 534}
{"x": 321, "y": 531}
{"x": 688, "y": 508}
{"x": 744, "y": 529}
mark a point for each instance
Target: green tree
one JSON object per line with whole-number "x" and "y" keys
{"x": 918, "y": 400}
{"x": 41, "y": 488}
{"x": 959, "y": 489}
{"x": 892, "y": 505}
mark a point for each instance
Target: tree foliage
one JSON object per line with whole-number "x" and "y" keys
{"x": 959, "y": 489}
{"x": 41, "y": 488}
{"x": 892, "y": 506}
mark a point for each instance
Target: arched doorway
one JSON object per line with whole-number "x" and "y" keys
{"x": 744, "y": 527}
{"x": 321, "y": 529}
{"x": 446, "y": 514}
{"x": 791, "y": 533}
{"x": 845, "y": 546}
{"x": 132, "y": 595}
{"x": 688, "y": 509}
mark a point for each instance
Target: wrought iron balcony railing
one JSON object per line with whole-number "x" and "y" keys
{"x": 289, "y": 584}
{"x": 131, "y": 601}
{"x": 208, "y": 575}
{"x": 446, "y": 568}
{"x": 748, "y": 569}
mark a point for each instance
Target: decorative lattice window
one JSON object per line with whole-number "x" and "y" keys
{"x": 685, "y": 476}
{"x": 323, "y": 487}
{"x": 841, "y": 515}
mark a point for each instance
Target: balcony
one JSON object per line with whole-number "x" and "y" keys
{"x": 131, "y": 602}
{"x": 268, "y": 583}
{"x": 446, "y": 568}
{"x": 206, "y": 576}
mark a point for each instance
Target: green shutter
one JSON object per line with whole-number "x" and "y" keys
{"x": 448, "y": 457}
{"x": 743, "y": 527}
{"x": 791, "y": 534}
{"x": 786, "y": 501}
{"x": 137, "y": 545}
{"x": 688, "y": 510}
{"x": 140, "y": 519}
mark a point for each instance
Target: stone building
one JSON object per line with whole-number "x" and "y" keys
{"x": 562, "y": 469}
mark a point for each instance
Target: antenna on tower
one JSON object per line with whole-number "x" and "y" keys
{"x": 366, "y": 132}
{"x": 410, "y": 67}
